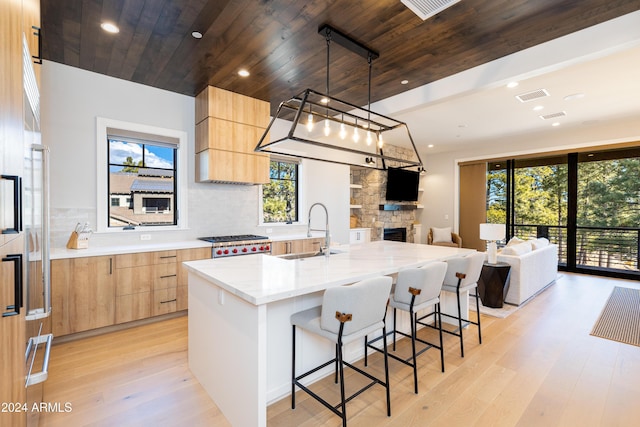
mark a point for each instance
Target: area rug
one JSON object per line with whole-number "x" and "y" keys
{"x": 620, "y": 317}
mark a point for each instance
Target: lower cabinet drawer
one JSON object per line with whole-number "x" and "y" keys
{"x": 133, "y": 307}
{"x": 164, "y": 301}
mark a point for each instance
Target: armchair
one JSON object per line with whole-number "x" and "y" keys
{"x": 455, "y": 242}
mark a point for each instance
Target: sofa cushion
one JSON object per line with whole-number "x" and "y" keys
{"x": 519, "y": 249}
{"x": 442, "y": 235}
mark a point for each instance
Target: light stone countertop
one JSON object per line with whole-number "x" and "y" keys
{"x": 63, "y": 253}
{"x": 261, "y": 279}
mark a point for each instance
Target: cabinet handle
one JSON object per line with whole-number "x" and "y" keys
{"x": 171, "y": 300}
{"x": 170, "y": 275}
{"x": 17, "y": 204}
{"x": 17, "y": 285}
{"x": 167, "y": 256}
{"x": 37, "y": 59}
{"x": 110, "y": 265}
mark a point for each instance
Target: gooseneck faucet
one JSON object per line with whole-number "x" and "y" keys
{"x": 327, "y": 239}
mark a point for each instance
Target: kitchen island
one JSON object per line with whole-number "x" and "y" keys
{"x": 239, "y": 308}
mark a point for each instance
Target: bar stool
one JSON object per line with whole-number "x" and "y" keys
{"x": 462, "y": 275}
{"x": 347, "y": 313}
{"x": 416, "y": 289}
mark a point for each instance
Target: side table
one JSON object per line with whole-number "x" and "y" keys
{"x": 494, "y": 284}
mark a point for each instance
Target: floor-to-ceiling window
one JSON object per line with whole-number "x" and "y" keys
{"x": 587, "y": 203}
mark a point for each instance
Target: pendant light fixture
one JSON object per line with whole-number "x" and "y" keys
{"x": 329, "y": 143}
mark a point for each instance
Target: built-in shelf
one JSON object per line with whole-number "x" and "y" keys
{"x": 419, "y": 206}
{"x": 355, "y": 186}
{"x": 355, "y": 206}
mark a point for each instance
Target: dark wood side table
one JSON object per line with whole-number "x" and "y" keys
{"x": 494, "y": 284}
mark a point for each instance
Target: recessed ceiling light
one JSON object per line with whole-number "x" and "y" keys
{"x": 404, "y": 82}
{"x": 555, "y": 124}
{"x": 574, "y": 96}
{"x": 109, "y": 27}
{"x": 511, "y": 85}
{"x": 430, "y": 146}
{"x": 243, "y": 73}
{"x": 196, "y": 35}
{"x": 538, "y": 108}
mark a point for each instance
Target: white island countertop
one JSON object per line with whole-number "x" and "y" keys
{"x": 261, "y": 279}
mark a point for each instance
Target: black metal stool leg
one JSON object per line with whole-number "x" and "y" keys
{"x": 413, "y": 350}
{"x": 478, "y": 311}
{"x": 460, "y": 323}
{"x": 440, "y": 333}
{"x": 293, "y": 369}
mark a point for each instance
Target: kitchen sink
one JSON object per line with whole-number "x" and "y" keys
{"x": 304, "y": 255}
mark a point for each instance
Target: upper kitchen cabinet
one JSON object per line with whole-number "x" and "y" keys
{"x": 31, "y": 30}
{"x": 228, "y": 127}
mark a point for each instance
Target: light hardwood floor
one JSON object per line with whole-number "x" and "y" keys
{"x": 538, "y": 367}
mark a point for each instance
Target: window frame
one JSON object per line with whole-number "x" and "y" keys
{"x": 105, "y": 127}
{"x": 299, "y": 193}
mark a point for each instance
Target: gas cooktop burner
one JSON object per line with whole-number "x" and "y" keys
{"x": 233, "y": 238}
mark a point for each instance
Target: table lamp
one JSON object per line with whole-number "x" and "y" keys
{"x": 491, "y": 233}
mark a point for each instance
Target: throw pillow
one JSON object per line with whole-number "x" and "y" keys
{"x": 539, "y": 243}
{"x": 441, "y": 235}
{"x": 514, "y": 241}
{"x": 516, "y": 250}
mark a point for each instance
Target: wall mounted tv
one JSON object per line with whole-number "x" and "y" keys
{"x": 402, "y": 185}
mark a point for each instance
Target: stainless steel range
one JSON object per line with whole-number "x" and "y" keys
{"x": 242, "y": 244}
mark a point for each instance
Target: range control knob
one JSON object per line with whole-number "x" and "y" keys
{"x": 226, "y": 251}
{"x": 266, "y": 248}
{"x": 219, "y": 252}
{"x": 253, "y": 249}
{"x": 235, "y": 250}
{"x": 244, "y": 249}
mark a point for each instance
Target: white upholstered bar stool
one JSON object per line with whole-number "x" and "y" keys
{"x": 416, "y": 289}
{"x": 347, "y": 313}
{"x": 462, "y": 275}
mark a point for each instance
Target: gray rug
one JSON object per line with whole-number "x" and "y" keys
{"x": 620, "y": 317}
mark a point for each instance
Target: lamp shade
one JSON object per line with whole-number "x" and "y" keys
{"x": 492, "y": 231}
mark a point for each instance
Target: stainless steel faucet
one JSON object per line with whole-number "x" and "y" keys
{"x": 327, "y": 239}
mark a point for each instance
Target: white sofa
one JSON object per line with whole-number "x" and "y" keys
{"x": 534, "y": 266}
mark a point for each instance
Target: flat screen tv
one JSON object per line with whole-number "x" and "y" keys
{"x": 402, "y": 185}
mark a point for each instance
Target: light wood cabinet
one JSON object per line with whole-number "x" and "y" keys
{"x": 145, "y": 285}
{"x": 12, "y": 337}
{"x": 228, "y": 128}
{"x": 295, "y": 246}
{"x": 182, "y": 290}
{"x": 83, "y": 294}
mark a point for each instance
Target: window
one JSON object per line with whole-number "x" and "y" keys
{"x": 143, "y": 171}
{"x": 141, "y": 176}
{"x": 280, "y": 196}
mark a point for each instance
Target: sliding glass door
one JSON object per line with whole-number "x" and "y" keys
{"x": 587, "y": 203}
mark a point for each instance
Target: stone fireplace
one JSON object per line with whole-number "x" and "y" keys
{"x": 375, "y": 212}
{"x": 395, "y": 234}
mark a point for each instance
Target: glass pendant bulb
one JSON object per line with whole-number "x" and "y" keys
{"x": 327, "y": 128}
{"x": 356, "y": 135}
{"x": 380, "y": 141}
{"x": 369, "y": 139}
{"x": 310, "y": 122}
{"x": 343, "y": 131}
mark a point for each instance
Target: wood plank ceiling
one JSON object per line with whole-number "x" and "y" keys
{"x": 278, "y": 41}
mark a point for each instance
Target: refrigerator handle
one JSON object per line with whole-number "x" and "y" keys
{"x": 17, "y": 285}
{"x": 41, "y": 376}
{"x": 45, "y": 248}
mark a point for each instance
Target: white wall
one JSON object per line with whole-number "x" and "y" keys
{"x": 71, "y": 100}
{"x": 441, "y": 181}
